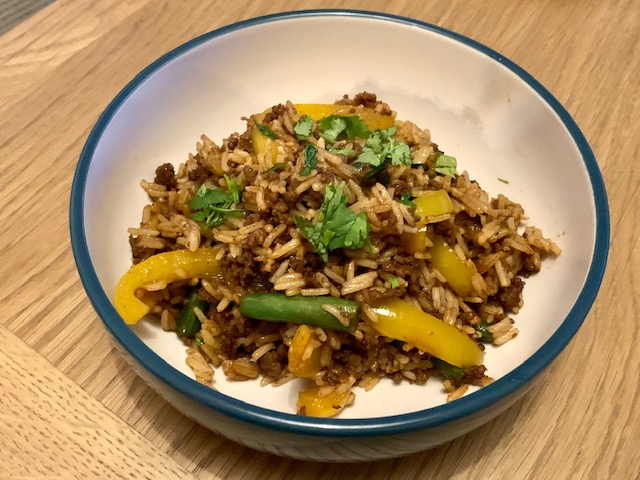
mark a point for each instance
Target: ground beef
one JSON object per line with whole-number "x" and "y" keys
{"x": 256, "y": 238}
{"x": 139, "y": 253}
{"x": 199, "y": 174}
{"x": 232, "y": 142}
{"x": 280, "y": 211}
{"x": 474, "y": 374}
{"x": 249, "y": 174}
{"x": 239, "y": 270}
{"x": 244, "y": 141}
{"x": 368, "y": 100}
{"x": 509, "y": 297}
{"x": 275, "y": 112}
{"x": 165, "y": 175}
{"x": 271, "y": 364}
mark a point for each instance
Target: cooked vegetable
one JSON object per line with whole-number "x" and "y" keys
{"x": 447, "y": 370}
{"x": 259, "y": 140}
{"x": 336, "y": 226}
{"x": 163, "y": 267}
{"x": 486, "y": 335}
{"x": 432, "y": 206}
{"x": 374, "y": 120}
{"x": 405, "y": 199}
{"x": 266, "y": 131}
{"x": 316, "y": 112}
{"x": 400, "y": 320}
{"x": 337, "y": 127}
{"x": 415, "y": 242}
{"x": 304, "y": 353}
{"x": 311, "y": 404}
{"x": 315, "y": 311}
{"x": 304, "y": 127}
{"x": 276, "y": 167}
{"x": 340, "y": 151}
{"x": 211, "y": 205}
{"x": 188, "y": 323}
{"x": 446, "y": 165}
{"x": 457, "y": 272}
{"x": 310, "y": 159}
{"x": 432, "y": 203}
{"x": 381, "y": 148}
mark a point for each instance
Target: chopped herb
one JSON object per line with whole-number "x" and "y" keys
{"x": 266, "y": 131}
{"x": 211, "y": 205}
{"x": 447, "y": 370}
{"x": 487, "y": 336}
{"x": 304, "y": 127}
{"x": 446, "y": 165}
{"x": 382, "y": 148}
{"x": 234, "y": 189}
{"x": 337, "y": 226}
{"x": 336, "y": 127}
{"x": 310, "y": 159}
{"x": 340, "y": 151}
{"x": 394, "y": 281}
{"x": 405, "y": 199}
{"x": 276, "y": 167}
{"x": 503, "y": 180}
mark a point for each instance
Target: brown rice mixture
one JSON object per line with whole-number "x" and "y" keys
{"x": 264, "y": 249}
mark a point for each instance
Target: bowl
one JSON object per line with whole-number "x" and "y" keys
{"x": 504, "y": 127}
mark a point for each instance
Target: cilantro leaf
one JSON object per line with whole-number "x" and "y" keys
{"x": 336, "y": 127}
{"x": 337, "y": 226}
{"x": 234, "y": 189}
{"x": 446, "y": 165}
{"x": 405, "y": 199}
{"x": 332, "y": 126}
{"x": 340, "y": 151}
{"x": 382, "y": 148}
{"x": 211, "y": 205}
{"x": 266, "y": 131}
{"x": 276, "y": 167}
{"x": 304, "y": 127}
{"x": 310, "y": 159}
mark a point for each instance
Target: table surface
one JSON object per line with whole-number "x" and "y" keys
{"x": 70, "y": 406}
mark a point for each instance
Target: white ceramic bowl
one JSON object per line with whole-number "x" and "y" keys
{"x": 480, "y": 107}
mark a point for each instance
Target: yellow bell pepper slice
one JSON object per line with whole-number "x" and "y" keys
{"x": 402, "y": 321}
{"x": 431, "y": 206}
{"x": 414, "y": 242}
{"x": 317, "y": 111}
{"x": 311, "y": 404}
{"x": 303, "y": 356}
{"x": 432, "y": 203}
{"x": 162, "y": 267}
{"x": 457, "y": 272}
{"x": 373, "y": 119}
{"x": 259, "y": 140}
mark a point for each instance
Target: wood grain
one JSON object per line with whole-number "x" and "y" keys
{"x": 71, "y": 407}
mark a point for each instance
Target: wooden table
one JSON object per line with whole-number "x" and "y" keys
{"x": 69, "y": 404}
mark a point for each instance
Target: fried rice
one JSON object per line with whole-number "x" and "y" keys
{"x": 276, "y": 200}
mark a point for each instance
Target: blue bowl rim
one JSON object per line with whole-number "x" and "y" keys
{"x": 337, "y": 427}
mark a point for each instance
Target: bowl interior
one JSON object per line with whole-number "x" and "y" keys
{"x": 478, "y": 109}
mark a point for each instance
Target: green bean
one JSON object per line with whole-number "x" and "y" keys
{"x": 486, "y": 335}
{"x": 188, "y": 323}
{"x": 447, "y": 370}
{"x": 313, "y": 311}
